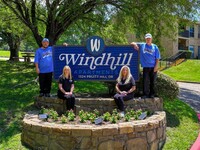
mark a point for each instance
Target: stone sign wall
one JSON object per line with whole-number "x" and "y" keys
{"x": 101, "y": 104}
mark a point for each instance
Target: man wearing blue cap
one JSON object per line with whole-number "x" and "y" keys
{"x": 44, "y": 67}
{"x": 149, "y": 59}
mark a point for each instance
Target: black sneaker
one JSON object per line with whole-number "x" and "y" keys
{"x": 144, "y": 97}
{"x": 41, "y": 94}
{"x": 47, "y": 95}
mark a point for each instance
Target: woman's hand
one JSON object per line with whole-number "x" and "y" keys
{"x": 68, "y": 93}
{"x": 123, "y": 92}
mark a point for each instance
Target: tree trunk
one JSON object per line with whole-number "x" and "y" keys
{"x": 14, "y": 45}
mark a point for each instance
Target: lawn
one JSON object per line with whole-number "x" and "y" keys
{"x": 187, "y": 71}
{"x": 4, "y": 53}
{"x": 182, "y": 122}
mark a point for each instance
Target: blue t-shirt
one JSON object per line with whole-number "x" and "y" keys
{"x": 148, "y": 54}
{"x": 44, "y": 59}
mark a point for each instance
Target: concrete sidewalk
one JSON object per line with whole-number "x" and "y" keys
{"x": 190, "y": 93}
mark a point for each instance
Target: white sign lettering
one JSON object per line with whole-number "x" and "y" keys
{"x": 105, "y": 60}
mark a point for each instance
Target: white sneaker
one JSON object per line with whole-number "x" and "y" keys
{"x": 121, "y": 114}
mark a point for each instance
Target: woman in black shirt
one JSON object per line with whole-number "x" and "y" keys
{"x": 124, "y": 87}
{"x": 66, "y": 88}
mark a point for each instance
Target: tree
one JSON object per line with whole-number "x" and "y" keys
{"x": 54, "y": 15}
{"x": 12, "y": 32}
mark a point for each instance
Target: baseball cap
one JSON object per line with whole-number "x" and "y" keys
{"x": 148, "y": 35}
{"x": 45, "y": 40}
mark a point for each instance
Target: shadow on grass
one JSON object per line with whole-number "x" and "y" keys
{"x": 172, "y": 120}
{"x": 13, "y": 102}
{"x": 176, "y": 110}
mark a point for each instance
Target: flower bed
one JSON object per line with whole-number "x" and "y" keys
{"x": 92, "y": 117}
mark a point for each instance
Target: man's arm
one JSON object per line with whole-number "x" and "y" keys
{"x": 37, "y": 68}
{"x": 135, "y": 45}
{"x": 156, "y": 65}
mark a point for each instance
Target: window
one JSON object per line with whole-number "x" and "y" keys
{"x": 191, "y": 48}
{"x": 192, "y": 31}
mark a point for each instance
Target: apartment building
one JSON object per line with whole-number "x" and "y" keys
{"x": 187, "y": 38}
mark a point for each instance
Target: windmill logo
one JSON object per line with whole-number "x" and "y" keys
{"x": 95, "y": 45}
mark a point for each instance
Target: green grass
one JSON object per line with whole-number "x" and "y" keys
{"x": 4, "y": 53}
{"x": 182, "y": 123}
{"x": 187, "y": 71}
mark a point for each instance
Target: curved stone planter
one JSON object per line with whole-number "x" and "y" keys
{"x": 148, "y": 134}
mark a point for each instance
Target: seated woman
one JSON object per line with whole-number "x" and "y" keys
{"x": 124, "y": 87}
{"x": 66, "y": 88}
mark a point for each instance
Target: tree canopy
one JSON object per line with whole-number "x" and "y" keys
{"x": 51, "y": 18}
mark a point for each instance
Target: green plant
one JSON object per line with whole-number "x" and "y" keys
{"x": 127, "y": 116}
{"x": 114, "y": 112}
{"x": 92, "y": 117}
{"x": 106, "y": 116}
{"x": 96, "y": 112}
{"x": 71, "y": 115}
{"x": 63, "y": 119}
{"x": 44, "y": 111}
{"x": 132, "y": 112}
{"x": 138, "y": 112}
{"x": 53, "y": 114}
{"x": 88, "y": 114}
{"x": 83, "y": 118}
{"x": 113, "y": 119}
{"x": 81, "y": 112}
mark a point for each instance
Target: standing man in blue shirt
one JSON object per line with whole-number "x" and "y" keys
{"x": 44, "y": 67}
{"x": 149, "y": 59}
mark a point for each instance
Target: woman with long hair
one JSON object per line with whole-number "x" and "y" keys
{"x": 66, "y": 87}
{"x": 125, "y": 86}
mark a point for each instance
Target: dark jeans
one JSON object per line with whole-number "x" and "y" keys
{"x": 119, "y": 100}
{"x": 45, "y": 80}
{"x": 149, "y": 78}
{"x": 70, "y": 100}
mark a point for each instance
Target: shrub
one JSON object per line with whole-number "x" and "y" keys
{"x": 166, "y": 87}
{"x": 187, "y": 54}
